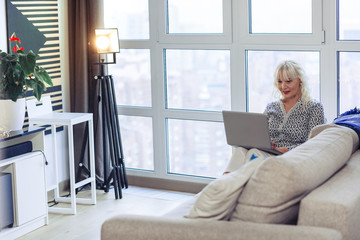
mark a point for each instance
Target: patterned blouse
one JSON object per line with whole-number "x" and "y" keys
{"x": 292, "y": 128}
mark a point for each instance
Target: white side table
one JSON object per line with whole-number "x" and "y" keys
{"x": 69, "y": 120}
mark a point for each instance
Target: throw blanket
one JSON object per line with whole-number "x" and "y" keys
{"x": 350, "y": 119}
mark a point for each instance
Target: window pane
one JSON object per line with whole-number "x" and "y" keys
{"x": 260, "y": 74}
{"x": 130, "y": 17}
{"x": 349, "y": 20}
{"x": 198, "y": 79}
{"x": 137, "y": 141}
{"x": 195, "y": 16}
{"x": 281, "y": 16}
{"x": 132, "y": 78}
{"x": 349, "y": 83}
{"x": 197, "y": 148}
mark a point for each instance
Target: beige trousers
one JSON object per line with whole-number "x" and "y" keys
{"x": 242, "y": 155}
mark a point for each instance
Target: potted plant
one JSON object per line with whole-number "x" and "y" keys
{"x": 18, "y": 73}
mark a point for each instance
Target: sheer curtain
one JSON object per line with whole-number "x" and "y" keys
{"x": 83, "y": 17}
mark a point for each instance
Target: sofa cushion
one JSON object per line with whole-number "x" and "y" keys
{"x": 274, "y": 191}
{"x": 217, "y": 200}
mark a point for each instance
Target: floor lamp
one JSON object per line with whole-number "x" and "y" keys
{"x": 107, "y": 42}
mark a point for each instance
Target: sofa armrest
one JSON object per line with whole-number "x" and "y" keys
{"x": 336, "y": 203}
{"x": 126, "y": 227}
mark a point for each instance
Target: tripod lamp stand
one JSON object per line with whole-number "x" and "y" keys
{"x": 107, "y": 42}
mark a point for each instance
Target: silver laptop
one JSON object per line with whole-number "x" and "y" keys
{"x": 248, "y": 130}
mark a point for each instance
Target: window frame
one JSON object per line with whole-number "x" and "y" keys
{"x": 225, "y": 37}
{"x": 316, "y": 37}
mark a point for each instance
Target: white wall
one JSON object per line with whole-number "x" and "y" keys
{"x": 3, "y": 37}
{"x": 64, "y": 53}
{"x": 64, "y": 60}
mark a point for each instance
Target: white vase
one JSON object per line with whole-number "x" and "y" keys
{"x": 12, "y": 114}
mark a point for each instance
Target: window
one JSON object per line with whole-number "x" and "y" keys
{"x": 348, "y": 54}
{"x": 137, "y": 139}
{"x": 184, "y": 17}
{"x": 197, "y": 148}
{"x": 198, "y": 79}
{"x": 130, "y": 17}
{"x": 184, "y": 61}
{"x": 283, "y": 21}
{"x": 197, "y": 21}
{"x": 349, "y": 83}
{"x": 281, "y": 16}
{"x": 132, "y": 77}
{"x": 349, "y": 20}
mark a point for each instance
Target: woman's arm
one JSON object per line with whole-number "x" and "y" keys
{"x": 317, "y": 116}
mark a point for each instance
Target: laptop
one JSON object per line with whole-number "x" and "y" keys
{"x": 248, "y": 130}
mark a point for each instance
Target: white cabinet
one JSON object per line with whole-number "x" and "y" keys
{"x": 28, "y": 185}
{"x": 29, "y": 189}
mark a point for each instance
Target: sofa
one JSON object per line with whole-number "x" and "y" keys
{"x": 310, "y": 192}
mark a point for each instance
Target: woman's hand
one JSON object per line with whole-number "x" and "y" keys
{"x": 280, "y": 149}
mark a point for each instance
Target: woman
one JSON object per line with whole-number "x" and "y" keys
{"x": 290, "y": 119}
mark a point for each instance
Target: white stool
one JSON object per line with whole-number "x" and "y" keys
{"x": 43, "y": 115}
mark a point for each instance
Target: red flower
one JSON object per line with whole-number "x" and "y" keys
{"x": 13, "y": 38}
{"x": 15, "y": 49}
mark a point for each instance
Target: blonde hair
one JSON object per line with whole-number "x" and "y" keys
{"x": 289, "y": 69}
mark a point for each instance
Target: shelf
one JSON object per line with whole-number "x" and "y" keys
{"x": 28, "y": 184}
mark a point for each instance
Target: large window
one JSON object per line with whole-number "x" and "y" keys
{"x": 184, "y": 61}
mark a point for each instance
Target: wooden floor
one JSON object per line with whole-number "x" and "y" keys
{"x": 86, "y": 224}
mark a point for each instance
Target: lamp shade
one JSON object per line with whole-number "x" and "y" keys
{"x": 107, "y": 40}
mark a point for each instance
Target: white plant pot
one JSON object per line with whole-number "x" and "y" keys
{"x": 12, "y": 114}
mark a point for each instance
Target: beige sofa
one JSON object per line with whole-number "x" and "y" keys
{"x": 311, "y": 192}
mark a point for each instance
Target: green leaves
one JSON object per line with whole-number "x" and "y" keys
{"x": 27, "y": 61}
{"x": 41, "y": 74}
{"x": 37, "y": 86}
{"x": 19, "y": 72}
{"x": 12, "y": 77}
